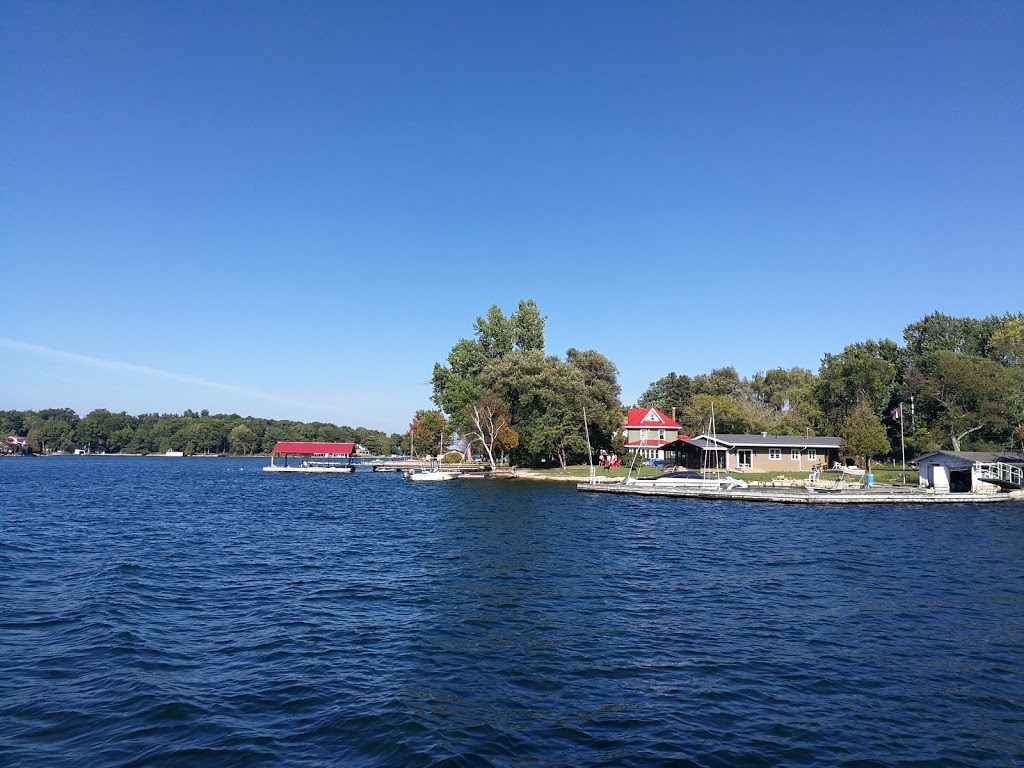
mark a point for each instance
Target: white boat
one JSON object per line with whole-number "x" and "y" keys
{"x": 433, "y": 474}
{"x": 687, "y": 479}
{"x": 691, "y": 479}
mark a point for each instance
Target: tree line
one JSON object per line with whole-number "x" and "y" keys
{"x": 100, "y": 431}
{"x": 955, "y": 383}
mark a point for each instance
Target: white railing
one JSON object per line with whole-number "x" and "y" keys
{"x": 1008, "y": 473}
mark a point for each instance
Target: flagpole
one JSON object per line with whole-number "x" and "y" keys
{"x": 913, "y": 424}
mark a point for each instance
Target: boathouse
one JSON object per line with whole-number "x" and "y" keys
{"x": 971, "y": 471}
{"x": 314, "y": 457}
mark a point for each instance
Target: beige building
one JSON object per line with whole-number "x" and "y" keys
{"x": 754, "y": 453}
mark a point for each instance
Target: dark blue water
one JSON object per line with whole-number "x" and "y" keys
{"x": 200, "y": 612}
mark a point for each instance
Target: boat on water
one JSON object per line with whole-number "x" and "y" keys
{"x": 687, "y": 479}
{"x": 314, "y": 458}
{"x": 433, "y": 473}
{"x": 708, "y": 479}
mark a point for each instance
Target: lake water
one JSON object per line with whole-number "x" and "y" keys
{"x": 201, "y": 612}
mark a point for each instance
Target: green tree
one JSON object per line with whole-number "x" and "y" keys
{"x": 457, "y": 385}
{"x": 200, "y": 436}
{"x": 55, "y": 435}
{"x": 375, "y": 441}
{"x": 863, "y": 435}
{"x": 91, "y": 431}
{"x": 429, "y": 428}
{"x": 243, "y": 440}
{"x": 863, "y": 373}
{"x": 722, "y": 382}
{"x": 527, "y": 325}
{"x": 670, "y": 392}
{"x": 938, "y": 332}
{"x": 12, "y": 423}
{"x": 732, "y": 416}
{"x": 545, "y": 399}
{"x": 961, "y": 395}
{"x": 120, "y": 439}
{"x": 1006, "y": 345}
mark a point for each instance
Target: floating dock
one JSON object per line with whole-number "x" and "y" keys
{"x": 876, "y": 494}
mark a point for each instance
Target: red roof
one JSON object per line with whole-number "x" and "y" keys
{"x": 647, "y": 443}
{"x": 649, "y": 418}
{"x": 342, "y": 448}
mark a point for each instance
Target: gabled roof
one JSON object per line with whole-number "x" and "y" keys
{"x": 728, "y": 442}
{"x": 977, "y": 456}
{"x": 345, "y": 449}
{"x": 649, "y": 418}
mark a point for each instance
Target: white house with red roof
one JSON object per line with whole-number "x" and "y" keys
{"x": 647, "y": 430}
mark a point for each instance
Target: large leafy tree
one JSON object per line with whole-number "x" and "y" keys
{"x": 864, "y": 373}
{"x": 732, "y": 416}
{"x": 546, "y": 399}
{"x": 56, "y": 435}
{"x": 940, "y": 332}
{"x": 964, "y": 395}
{"x": 428, "y": 430}
{"x": 501, "y": 388}
{"x": 91, "y": 430}
{"x": 456, "y": 385}
{"x": 243, "y": 440}
{"x": 1006, "y": 345}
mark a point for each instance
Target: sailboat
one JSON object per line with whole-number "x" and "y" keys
{"x": 689, "y": 478}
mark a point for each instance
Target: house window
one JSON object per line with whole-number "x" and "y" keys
{"x": 794, "y": 454}
{"x": 775, "y": 454}
{"x": 812, "y": 454}
{"x": 744, "y": 459}
{"x": 661, "y": 434}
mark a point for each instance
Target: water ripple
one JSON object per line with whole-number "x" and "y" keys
{"x": 202, "y": 613}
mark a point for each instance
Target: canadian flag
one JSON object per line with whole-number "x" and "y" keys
{"x": 896, "y": 413}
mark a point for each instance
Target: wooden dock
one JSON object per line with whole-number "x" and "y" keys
{"x": 876, "y": 494}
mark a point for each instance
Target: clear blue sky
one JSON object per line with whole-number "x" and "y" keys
{"x": 293, "y": 210}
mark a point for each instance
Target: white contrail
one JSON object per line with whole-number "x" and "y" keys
{"x": 144, "y": 370}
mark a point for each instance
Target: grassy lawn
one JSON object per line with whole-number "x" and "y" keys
{"x": 883, "y": 474}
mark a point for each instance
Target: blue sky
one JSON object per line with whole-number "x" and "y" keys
{"x": 293, "y": 210}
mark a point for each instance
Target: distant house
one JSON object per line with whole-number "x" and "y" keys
{"x": 754, "y": 453}
{"x": 648, "y": 430}
{"x": 971, "y": 471}
{"x": 15, "y": 444}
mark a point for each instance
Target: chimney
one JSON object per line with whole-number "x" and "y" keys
{"x": 673, "y": 413}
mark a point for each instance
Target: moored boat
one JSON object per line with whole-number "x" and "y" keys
{"x": 687, "y": 479}
{"x": 330, "y": 458}
{"x": 434, "y": 473}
